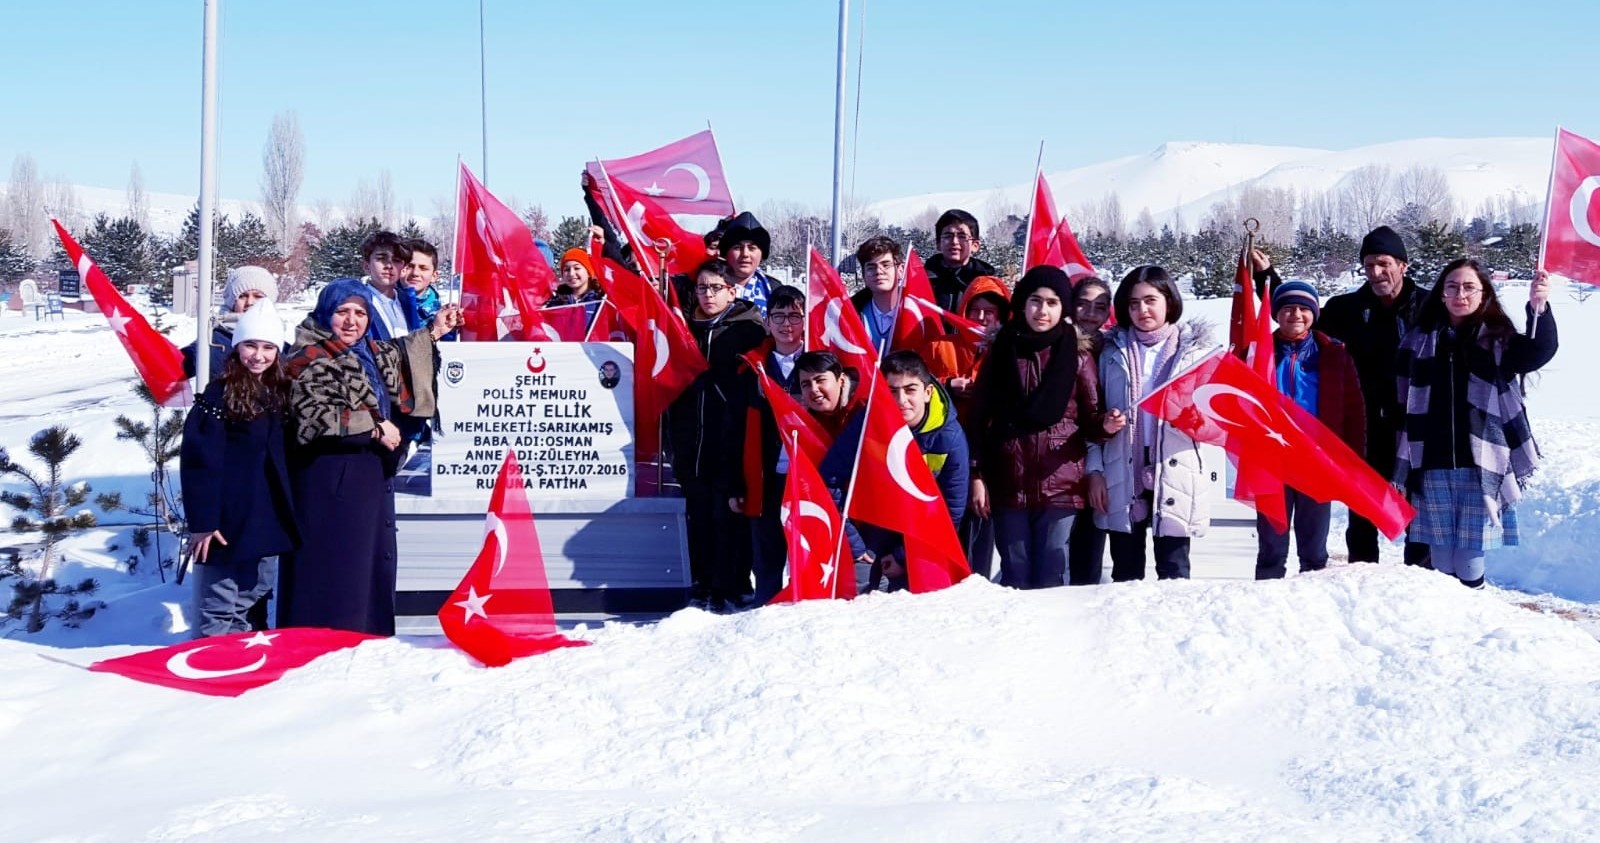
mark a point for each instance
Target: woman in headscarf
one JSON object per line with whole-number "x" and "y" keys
{"x": 347, "y": 390}
{"x": 1034, "y": 405}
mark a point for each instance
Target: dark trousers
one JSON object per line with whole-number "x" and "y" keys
{"x": 977, "y": 538}
{"x": 1309, "y": 522}
{"x": 719, "y": 542}
{"x": 1361, "y": 536}
{"x": 1086, "y": 550}
{"x": 1033, "y": 546}
{"x": 1127, "y": 553}
{"x": 769, "y": 550}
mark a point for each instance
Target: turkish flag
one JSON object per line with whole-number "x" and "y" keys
{"x": 683, "y": 177}
{"x": 1572, "y": 217}
{"x": 158, "y": 361}
{"x": 660, "y": 245}
{"x": 666, "y": 357}
{"x": 1253, "y": 485}
{"x": 893, "y": 488}
{"x": 1050, "y": 238}
{"x": 229, "y": 665}
{"x": 1240, "y": 327}
{"x": 834, "y": 323}
{"x": 820, "y": 566}
{"x": 499, "y": 263}
{"x": 1219, "y": 400}
{"x": 608, "y": 325}
{"x": 562, "y": 323}
{"x": 914, "y": 325}
{"x": 502, "y": 609}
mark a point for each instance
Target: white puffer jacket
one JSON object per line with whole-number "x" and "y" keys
{"x": 1182, "y": 505}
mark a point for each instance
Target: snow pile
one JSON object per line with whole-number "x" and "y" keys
{"x": 1369, "y": 702}
{"x": 1559, "y": 519}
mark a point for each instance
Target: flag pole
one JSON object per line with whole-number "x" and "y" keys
{"x": 483, "y": 94}
{"x": 836, "y": 236}
{"x": 459, "y": 242}
{"x": 208, "y": 197}
{"x": 794, "y": 581}
{"x": 855, "y": 470}
{"x": 1544, "y": 234}
{"x": 1033, "y": 204}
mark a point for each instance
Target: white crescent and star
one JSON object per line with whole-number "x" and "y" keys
{"x": 831, "y": 335}
{"x": 1075, "y": 271}
{"x": 473, "y": 605}
{"x": 1582, "y": 198}
{"x": 1207, "y": 393}
{"x": 899, "y": 469}
{"x": 179, "y": 665}
{"x": 482, "y": 222}
{"x": 663, "y": 350}
{"x": 119, "y": 323}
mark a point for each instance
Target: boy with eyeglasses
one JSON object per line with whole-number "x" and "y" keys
{"x": 956, "y": 265}
{"x": 883, "y": 267}
{"x": 701, "y": 426}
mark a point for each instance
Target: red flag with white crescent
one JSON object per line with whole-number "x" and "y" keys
{"x": 502, "y": 271}
{"x": 229, "y": 665}
{"x": 666, "y": 358}
{"x": 683, "y": 177}
{"x": 820, "y": 566}
{"x": 1572, "y": 216}
{"x": 1252, "y": 485}
{"x": 158, "y": 361}
{"x": 1220, "y": 401}
{"x": 894, "y": 488}
{"x": 1050, "y": 238}
{"x": 833, "y": 321}
{"x": 502, "y": 609}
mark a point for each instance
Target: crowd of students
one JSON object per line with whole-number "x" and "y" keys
{"x": 1033, "y": 435}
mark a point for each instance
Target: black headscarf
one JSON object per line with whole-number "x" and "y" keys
{"x": 1041, "y": 409}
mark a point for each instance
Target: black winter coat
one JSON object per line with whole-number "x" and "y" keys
{"x": 235, "y": 478}
{"x": 1372, "y": 332}
{"x": 701, "y": 421}
{"x": 949, "y": 282}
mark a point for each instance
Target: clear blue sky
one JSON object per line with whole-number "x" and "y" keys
{"x": 957, "y": 94}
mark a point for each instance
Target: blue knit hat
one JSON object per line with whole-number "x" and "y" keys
{"x": 1296, "y": 292}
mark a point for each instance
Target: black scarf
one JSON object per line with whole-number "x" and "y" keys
{"x": 1044, "y": 407}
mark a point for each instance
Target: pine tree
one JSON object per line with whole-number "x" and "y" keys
{"x": 160, "y": 439}
{"x": 338, "y": 255}
{"x": 121, "y": 249}
{"x": 570, "y": 233}
{"x": 15, "y": 263}
{"x": 45, "y": 510}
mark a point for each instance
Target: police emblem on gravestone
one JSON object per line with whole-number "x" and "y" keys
{"x": 454, "y": 372}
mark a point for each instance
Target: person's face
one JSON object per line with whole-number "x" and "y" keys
{"x": 787, "y": 326}
{"x": 713, "y": 293}
{"x": 1091, "y": 307}
{"x": 257, "y": 355}
{"x": 911, "y": 395}
{"x": 1294, "y": 321}
{"x": 350, "y": 320}
{"x": 881, "y": 274}
{"x": 1147, "y": 308}
{"x": 743, "y": 258}
{"x": 421, "y": 274}
{"x": 957, "y": 244}
{"x": 1042, "y": 310}
{"x": 384, "y": 268}
{"x": 1385, "y": 275}
{"x": 1463, "y": 294}
{"x": 575, "y": 276}
{"x": 986, "y": 313}
{"x": 821, "y": 391}
{"x": 247, "y": 298}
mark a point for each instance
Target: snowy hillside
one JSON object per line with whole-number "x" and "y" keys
{"x": 1366, "y": 703}
{"x": 1187, "y": 178}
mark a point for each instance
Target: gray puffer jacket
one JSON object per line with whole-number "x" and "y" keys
{"x": 1182, "y": 505}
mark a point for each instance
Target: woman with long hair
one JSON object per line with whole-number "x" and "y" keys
{"x": 1148, "y": 477}
{"x": 347, "y": 391}
{"x": 1466, "y": 447}
{"x": 235, "y": 476}
{"x": 1033, "y": 410}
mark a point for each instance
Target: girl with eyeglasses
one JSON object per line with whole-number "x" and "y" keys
{"x": 1466, "y": 448}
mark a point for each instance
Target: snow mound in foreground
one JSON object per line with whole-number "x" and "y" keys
{"x": 1370, "y": 702}
{"x": 1559, "y": 519}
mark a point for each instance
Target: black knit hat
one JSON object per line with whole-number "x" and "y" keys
{"x": 1383, "y": 241}
{"x": 745, "y": 228}
{"x": 1047, "y": 277}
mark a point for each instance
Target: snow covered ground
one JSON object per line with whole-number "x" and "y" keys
{"x": 1361, "y": 703}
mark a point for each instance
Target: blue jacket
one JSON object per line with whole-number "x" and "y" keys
{"x": 408, "y": 306}
{"x": 235, "y": 479}
{"x": 1297, "y": 370}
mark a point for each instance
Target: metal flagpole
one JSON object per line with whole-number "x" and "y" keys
{"x": 483, "y": 96}
{"x": 1544, "y": 236}
{"x": 1033, "y": 204}
{"x": 838, "y": 138}
{"x": 208, "y": 196}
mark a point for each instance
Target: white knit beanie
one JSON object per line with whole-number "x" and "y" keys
{"x": 243, "y": 278}
{"x": 260, "y": 322}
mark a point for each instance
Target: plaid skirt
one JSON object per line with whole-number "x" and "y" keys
{"x": 1451, "y": 511}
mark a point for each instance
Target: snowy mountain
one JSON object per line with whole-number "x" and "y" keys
{"x": 1182, "y": 180}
